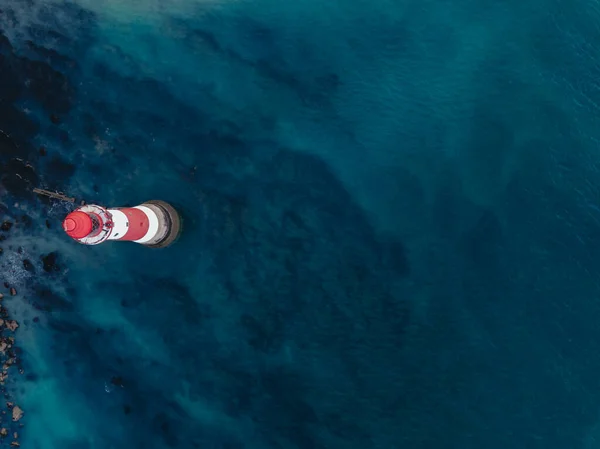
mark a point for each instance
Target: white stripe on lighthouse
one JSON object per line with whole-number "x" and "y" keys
{"x": 120, "y": 224}
{"x": 152, "y": 224}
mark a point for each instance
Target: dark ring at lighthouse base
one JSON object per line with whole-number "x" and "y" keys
{"x": 169, "y": 224}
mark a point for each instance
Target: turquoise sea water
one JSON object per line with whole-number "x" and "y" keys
{"x": 391, "y": 223}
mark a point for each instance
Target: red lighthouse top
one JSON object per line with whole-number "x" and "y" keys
{"x": 78, "y": 224}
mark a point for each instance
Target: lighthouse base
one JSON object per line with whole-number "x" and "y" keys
{"x": 169, "y": 224}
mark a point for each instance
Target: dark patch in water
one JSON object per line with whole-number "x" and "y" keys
{"x": 27, "y": 265}
{"x": 49, "y": 262}
{"x": 47, "y": 300}
{"x": 19, "y": 178}
{"x": 58, "y": 172}
{"x": 48, "y": 86}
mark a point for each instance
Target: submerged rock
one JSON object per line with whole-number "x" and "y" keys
{"x": 27, "y": 265}
{"x": 117, "y": 381}
{"x": 25, "y": 221}
{"x": 49, "y": 262}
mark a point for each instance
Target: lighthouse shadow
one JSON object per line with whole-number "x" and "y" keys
{"x": 189, "y": 229}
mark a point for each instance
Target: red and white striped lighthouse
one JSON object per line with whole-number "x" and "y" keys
{"x": 154, "y": 223}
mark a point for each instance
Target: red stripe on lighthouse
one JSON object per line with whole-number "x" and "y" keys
{"x": 138, "y": 224}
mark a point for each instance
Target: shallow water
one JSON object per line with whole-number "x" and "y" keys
{"x": 390, "y": 223}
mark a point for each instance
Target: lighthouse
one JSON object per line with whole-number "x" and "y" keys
{"x": 155, "y": 224}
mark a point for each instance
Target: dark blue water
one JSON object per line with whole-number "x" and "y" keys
{"x": 391, "y": 235}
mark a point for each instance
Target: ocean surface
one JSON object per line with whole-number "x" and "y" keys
{"x": 391, "y": 224}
